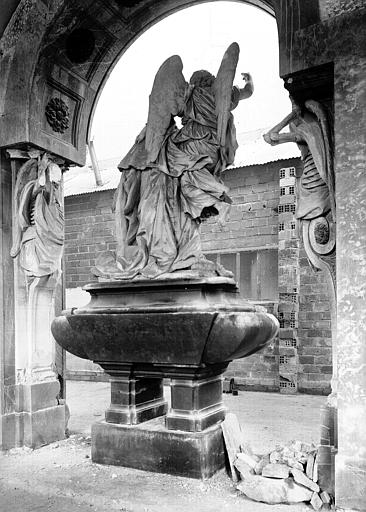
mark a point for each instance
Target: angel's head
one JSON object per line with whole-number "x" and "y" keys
{"x": 202, "y": 78}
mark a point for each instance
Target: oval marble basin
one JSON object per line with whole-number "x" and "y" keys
{"x": 165, "y": 322}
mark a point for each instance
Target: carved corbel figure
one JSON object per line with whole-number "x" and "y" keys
{"x": 310, "y": 129}
{"x": 38, "y": 238}
{"x": 39, "y": 219}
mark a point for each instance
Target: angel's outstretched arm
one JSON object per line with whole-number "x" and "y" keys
{"x": 246, "y": 91}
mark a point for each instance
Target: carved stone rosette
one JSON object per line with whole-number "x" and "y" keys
{"x": 58, "y": 115}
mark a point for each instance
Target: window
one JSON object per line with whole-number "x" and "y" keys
{"x": 281, "y": 226}
{"x": 290, "y": 343}
{"x": 282, "y": 173}
{"x": 280, "y": 208}
{"x": 293, "y": 225}
{"x": 282, "y": 191}
{"x": 256, "y": 272}
{"x": 291, "y": 190}
{"x": 292, "y": 171}
{"x": 293, "y": 208}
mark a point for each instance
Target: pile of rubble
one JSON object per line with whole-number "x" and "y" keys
{"x": 288, "y": 474}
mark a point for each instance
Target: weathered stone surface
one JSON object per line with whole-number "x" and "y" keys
{"x": 43, "y": 427}
{"x": 151, "y": 447}
{"x": 316, "y": 502}
{"x": 271, "y": 490}
{"x": 260, "y": 465}
{"x": 310, "y": 465}
{"x": 276, "y": 471}
{"x": 302, "y": 479}
{"x": 325, "y": 497}
{"x": 233, "y": 438}
{"x": 247, "y": 459}
{"x": 243, "y": 468}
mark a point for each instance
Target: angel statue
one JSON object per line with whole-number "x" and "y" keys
{"x": 170, "y": 178}
{"x": 39, "y": 219}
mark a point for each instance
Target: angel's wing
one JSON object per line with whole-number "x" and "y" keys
{"x": 166, "y": 100}
{"x": 223, "y": 89}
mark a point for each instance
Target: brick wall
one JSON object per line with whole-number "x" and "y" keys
{"x": 315, "y": 336}
{"x": 252, "y": 223}
{"x": 252, "y": 218}
{"x": 88, "y": 231}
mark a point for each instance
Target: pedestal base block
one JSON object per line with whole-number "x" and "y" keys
{"x": 42, "y": 427}
{"x": 151, "y": 447}
{"x": 8, "y": 424}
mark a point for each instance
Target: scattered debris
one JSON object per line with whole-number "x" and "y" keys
{"x": 273, "y": 490}
{"x": 276, "y": 471}
{"x": 289, "y": 474}
{"x": 233, "y": 441}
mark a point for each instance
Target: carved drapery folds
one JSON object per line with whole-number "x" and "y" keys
{"x": 311, "y": 128}
{"x": 38, "y": 219}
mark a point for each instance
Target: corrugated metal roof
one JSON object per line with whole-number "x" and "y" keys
{"x": 81, "y": 180}
{"x": 252, "y": 150}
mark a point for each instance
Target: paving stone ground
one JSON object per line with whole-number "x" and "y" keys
{"x": 61, "y": 477}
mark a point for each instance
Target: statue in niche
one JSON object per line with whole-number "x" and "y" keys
{"x": 170, "y": 178}
{"x": 310, "y": 129}
{"x": 39, "y": 219}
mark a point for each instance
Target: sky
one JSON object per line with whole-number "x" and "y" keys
{"x": 200, "y": 35}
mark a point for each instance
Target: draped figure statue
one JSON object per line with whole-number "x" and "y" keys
{"x": 309, "y": 128}
{"x": 39, "y": 219}
{"x": 170, "y": 178}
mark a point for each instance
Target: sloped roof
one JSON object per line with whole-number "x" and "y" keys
{"x": 252, "y": 150}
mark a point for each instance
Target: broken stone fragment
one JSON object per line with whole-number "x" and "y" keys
{"x": 260, "y": 465}
{"x": 272, "y": 490}
{"x": 276, "y": 471}
{"x": 325, "y": 497}
{"x": 249, "y": 460}
{"x": 302, "y": 479}
{"x": 316, "y": 502}
{"x": 275, "y": 456}
{"x": 293, "y": 463}
{"x": 315, "y": 471}
{"x": 243, "y": 468}
{"x": 310, "y": 465}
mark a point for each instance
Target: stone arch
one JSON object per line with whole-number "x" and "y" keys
{"x": 74, "y": 48}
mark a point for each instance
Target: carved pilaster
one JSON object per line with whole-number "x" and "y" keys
{"x": 37, "y": 245}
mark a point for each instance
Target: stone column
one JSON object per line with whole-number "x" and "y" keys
{"x": 39, "y": 416}
{"x": 350, "y": 160}
{"x": 7, "y": 343}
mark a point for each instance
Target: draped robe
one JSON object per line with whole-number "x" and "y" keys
{"x": 158, "y": 206}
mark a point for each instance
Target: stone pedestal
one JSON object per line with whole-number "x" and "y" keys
{"x": 143, "y": 331}
{"x": 196, "y": 404}
{"x": 40, "y": 419}
{"x": 152, "y": 447}
{"x": 134, "y": 400}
